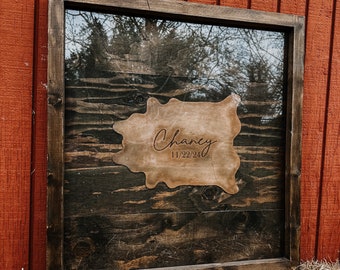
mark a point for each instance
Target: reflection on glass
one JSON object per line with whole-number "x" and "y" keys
{"x": 184, "y": 60}
{"x": 113, "y": 64}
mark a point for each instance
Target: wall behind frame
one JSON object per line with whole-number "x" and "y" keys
{"x": 16, "y": 60}
{"x": 23, "y": 120}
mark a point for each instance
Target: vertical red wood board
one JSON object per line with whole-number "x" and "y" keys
{"x": 39, "y": 140}
{"x": 329, "y": 223}
{"x": 235, "y": 3}
{"x": 264, "y": 5}
{"x": 295, "y": 7}
{"x": 16, "y": 61}
{"x": 318, "y": 31}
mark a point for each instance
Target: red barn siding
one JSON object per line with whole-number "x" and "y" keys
{"x": 329, "y": 213}
{"x": 23, "y": 50}
{"x": 16, "y": 51}
{"x": 318, "y": 33}
{"x": 296, "y": 7}
{"x": 264, "y": 5}
{"x": 39, "y": 142}
{"x": 235, "y": 3}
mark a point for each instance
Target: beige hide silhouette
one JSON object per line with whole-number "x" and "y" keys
{"x": 183, "y": 143}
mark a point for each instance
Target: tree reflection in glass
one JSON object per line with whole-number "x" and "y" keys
{"x": 113, "y": 65}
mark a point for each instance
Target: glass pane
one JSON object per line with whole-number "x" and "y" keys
{"x": 114, "y": 64}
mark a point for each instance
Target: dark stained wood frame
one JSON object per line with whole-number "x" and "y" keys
{"x": 291, "y": 24}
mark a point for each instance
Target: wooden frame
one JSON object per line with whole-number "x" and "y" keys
{"x": 291, "y": 24}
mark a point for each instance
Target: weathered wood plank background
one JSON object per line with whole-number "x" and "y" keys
{"x": 136, "y": 227}
{"x": 21, "y": 246}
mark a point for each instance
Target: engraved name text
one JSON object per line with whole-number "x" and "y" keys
{"x": 164, "y": 140}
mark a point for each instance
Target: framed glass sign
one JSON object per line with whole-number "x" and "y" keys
{"x": 174, "y": 136}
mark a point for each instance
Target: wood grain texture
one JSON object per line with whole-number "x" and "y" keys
{"x": 16, "y": 49}
{"x": 109, "y": 212}
{"x": 318, "y": 32}
{"x": 207, "y": 2}
{"x": 264, "y": 5}
{"x": 55, "y": 137}
{"x": 84, "y": 137}
{"x": 39, "y": 141}
{"x": 14, "y": 162}
{"x": 293, "y": 140}
{"x": 179, "y": 158}
{"x": 173, "y": 7}
{"x": 273, "y": 264}
{"x": 329, "y": 223}
{"x": 235, "y": 4}
{"x": 297, "y": 7}
{"x": 15, "y": 121}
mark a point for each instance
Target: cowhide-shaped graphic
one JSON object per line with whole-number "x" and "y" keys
{"x": 183, "y": 143}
